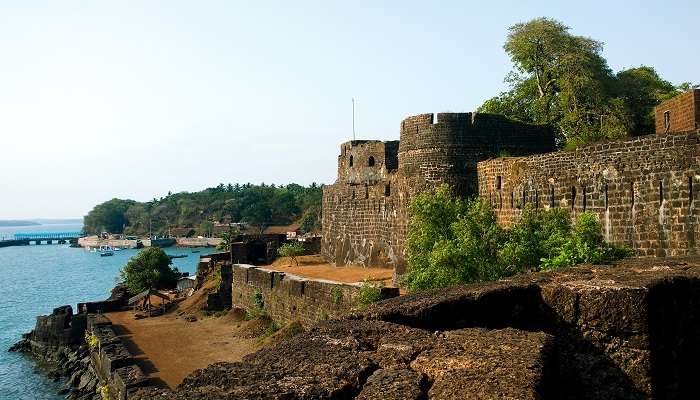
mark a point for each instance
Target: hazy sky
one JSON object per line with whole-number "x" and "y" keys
{"x": 134, "y": 99}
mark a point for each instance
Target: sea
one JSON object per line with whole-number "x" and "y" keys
{"x": 36, "y": 279}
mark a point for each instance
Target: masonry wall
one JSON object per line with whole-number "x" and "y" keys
{"x": 288, "y": 298}
{"x": 683, "y": 113}
{"x": 644, "y": 190}
{"x": 365, "y": 213}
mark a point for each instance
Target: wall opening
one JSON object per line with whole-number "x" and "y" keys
{"x": 551, "y": 196}
{"x": 366, "y": 192}
{"x": 606, "y": 196}
{"x": 661, "y": 191}
{"x": 690, "y": 188}
{"x": 573, "y": 197}
{"x": 632, "y": 192}
{"x": 387, "y": 190}
{"x": 351, "y": 161}
{"x": 370, "y": 161}
{"x": 353, "y": 194}
{"x": 667, "y": 121}
{"x": 524, "y": 202}
{"x": 498, "y": 182}
{"x": 537, "y": 199}
{"x": 512, "y": 200}
{"x": 585, "y": 190}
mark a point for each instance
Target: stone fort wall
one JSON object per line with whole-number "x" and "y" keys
{"x": 644, "y": 189}
{"x": 365, "y": 213}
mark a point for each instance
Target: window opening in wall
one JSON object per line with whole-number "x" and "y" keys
{"x": 551, "y": 196}
{"x": 512, "y": 200}
{"x": 500, "y": 200}
{"x": 366, "y": 192}
{"x": 370, "y": 161}
{"x": 498, "y": 182}
{"x": 632, "y": 192}
{"x": 537, "y": 199}
{"x": 690, "y": 188}
{"x": 667, "y": 120}
{"x": 661, "y": 191}
{"x": 523, "y": 198}
{"x": 353, "y": 194}
{"x": 573, "y": 196}
{"x": 387, "y": 190}
{"x": 606, "y": 196}
{"x": 351, "y": 161}
{"x": 584, "y": 198}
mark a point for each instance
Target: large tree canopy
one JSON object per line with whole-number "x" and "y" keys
{"x": 150, "y": 269}
{"x": 562, "y": 79}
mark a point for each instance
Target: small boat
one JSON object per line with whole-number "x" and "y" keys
{"x": 106, "y": 251}
{"x": 195, "y": 251}
{"x": 178, "y": 256}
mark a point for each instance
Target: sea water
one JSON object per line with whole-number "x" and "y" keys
{"x": 36, "y": 279}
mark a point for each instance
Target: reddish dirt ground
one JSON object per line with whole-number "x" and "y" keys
{"x": 167, "y": 348}
{"x": 315, "y": 267}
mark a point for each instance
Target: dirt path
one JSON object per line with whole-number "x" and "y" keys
{"x": 315, "y": 267}
{"x": 167, "y": 349}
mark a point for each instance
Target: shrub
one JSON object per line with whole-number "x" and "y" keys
{"x": 103, "y": 391}
{"x": 291, "y": 250}
{"x": 336, "y": 295}
{"x": 452, "y": 241}
{"x": 258, "y": 309}
{"x": 369, "y": 292}
{"x": 91, "y": 340}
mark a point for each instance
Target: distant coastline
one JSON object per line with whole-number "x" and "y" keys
{"x": 39, "y": 222}
{"x": 11, "y": 222}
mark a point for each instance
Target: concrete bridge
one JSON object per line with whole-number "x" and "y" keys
{"x": 24, "y": 239}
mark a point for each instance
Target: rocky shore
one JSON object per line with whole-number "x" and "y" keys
{"x": 57, "y": 343}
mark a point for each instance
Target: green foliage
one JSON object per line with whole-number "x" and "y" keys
{"x": 452, "y": 241}
{"x": 149, "y": 269}
{"x": 336, "y": 295}
{"x": 206, "y": 228}
{"x": 91, "y": 340}
{"x": 369, "y": 292}
{"x": 258, "y": 205}
{"x": 291, "y": 250}
{"x": 585, "y": 244}
{"x": 563, "y": 80}
{"x": 258, "y": 310}
{"x": 103, "y": 391}
{"x": 110, "y": 216}
{"x": 226, "y": 239}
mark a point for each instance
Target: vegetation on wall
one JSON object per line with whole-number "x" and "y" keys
{"x": 257, "y": 205}
{"x": 453, "y": 241}
{"x": 563, "y": 80}
{"x": 149, "y": 269}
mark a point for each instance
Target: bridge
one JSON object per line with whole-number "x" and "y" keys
{"x": 24, "y": 239}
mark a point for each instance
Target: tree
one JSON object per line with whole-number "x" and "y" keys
{"x": 109, "y": 216}
{"x": 563, "y": 80}
{"x": 206, "y": 228}
{"x": 291, "y": 250}
{"x": 150, "y": 269}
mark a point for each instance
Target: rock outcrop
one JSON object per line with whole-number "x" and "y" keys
{"x": 628, "y": 331}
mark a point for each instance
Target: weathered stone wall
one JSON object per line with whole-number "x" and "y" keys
{"x": 365, "y": 216}
{"x": 683, "y": 113}
{"x": 288, "y": 298}
{"x": 643, "y": 189}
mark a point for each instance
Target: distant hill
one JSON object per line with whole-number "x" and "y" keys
{"x": 15, "y": 222}
{"x": 58, "y": 221}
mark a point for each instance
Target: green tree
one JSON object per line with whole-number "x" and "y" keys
{"x": 562, "y": 79}
{"x": 206, "y": 228}
{"x": 291, "y": 250}
{"x": 110, "y": 216}
{"x": 150, "y": 269}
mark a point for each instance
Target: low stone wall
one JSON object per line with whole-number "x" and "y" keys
{"x": 197, "y": 242}
{"x": 288, "y": 298}
{"x": 112, "y": 361}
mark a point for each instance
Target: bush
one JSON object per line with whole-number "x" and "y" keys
{"x": 291, "y": 250}
{"x": 258, "y": 310}
{"x": 91, "y": 340}
{"x": 149, "y": 269}
{"x": 336, "y": 295}
{"x": 452, "y": 241}
{"x": 370, "y": 292}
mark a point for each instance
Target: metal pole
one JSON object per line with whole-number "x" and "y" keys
{"x": 353, "y": 118}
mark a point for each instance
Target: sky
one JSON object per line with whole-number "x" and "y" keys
{"x": 132, "y": 99}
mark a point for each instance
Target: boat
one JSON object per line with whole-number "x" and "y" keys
{"x": 178, "y": 256}
{"x": 106, "y": 251}
{"x": 195, "y": 251}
